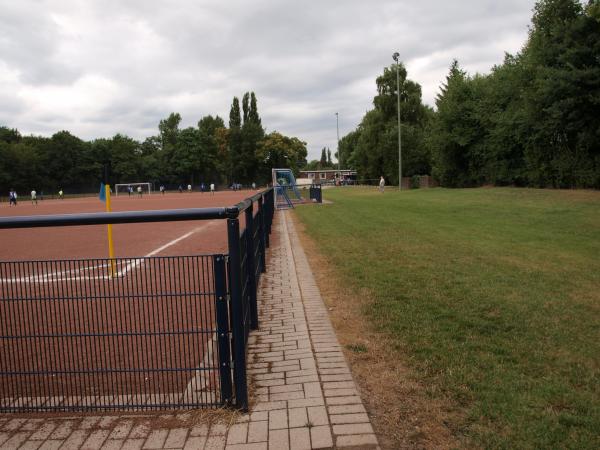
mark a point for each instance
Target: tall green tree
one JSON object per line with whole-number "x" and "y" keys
{"x": 245, "y": 106}
{"x": 456, "y": 131}
{"x": 373, "y": 147}
{"x": 277, "y": 150}
{"x": 169, "y": 133}
{"x": 188, "y": 155}
{"x": 21, "y": 168}
{"x": 535, "y": 119}
{"x": 150, "y": 162}
{"x": 63, "y": 157}
{"x": 236, "y": 169}
{"x": 125, "y": 157}
{"x": 209, "y": 128}
{"x": 252, "y": 133}
{"x": 323, "y": 160}
{"x": 563, "y": 102}
{"x": 9, "y": 135}
{"x": 169, "y": 129}
{"x": 346, "y": 147}
{"x": 253, "y": 114}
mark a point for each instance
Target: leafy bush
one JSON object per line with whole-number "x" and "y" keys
{"x": 415, "y": 182}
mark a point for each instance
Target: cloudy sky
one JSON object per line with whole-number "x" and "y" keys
{"x": 101, "y": 67}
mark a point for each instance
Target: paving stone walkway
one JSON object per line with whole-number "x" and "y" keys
{"x": 302, "y": 392}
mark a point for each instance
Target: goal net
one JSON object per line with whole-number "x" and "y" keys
{"x": 125, "y": 188}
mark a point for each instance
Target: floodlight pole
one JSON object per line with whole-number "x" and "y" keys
{"x": 337, "y": 126}
{"x": 396, "y": 58}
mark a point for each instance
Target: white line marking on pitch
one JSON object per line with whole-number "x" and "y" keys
{"x": 175, "y": 241}
{"x": 133, "y": 264}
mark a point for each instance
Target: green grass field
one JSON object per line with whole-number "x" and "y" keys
{"x": 491, "y": 295}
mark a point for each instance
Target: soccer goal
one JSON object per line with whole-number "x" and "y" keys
{"x": 123, "y": 188}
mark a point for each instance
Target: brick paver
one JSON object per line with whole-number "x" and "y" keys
{"x": 304, "y": 396}
{"x": 95, "y": 440}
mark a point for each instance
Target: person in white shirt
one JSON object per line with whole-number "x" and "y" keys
{"x": 381, "y": 184}
{"x": 33, "y": 197}
{"x": 212, "y": 188}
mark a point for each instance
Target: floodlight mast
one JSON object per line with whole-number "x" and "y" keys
{"x": 396, "y": 57}
{"x": 337, "y": 126}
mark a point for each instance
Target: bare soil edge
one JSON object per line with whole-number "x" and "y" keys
{"x": 404, "y": 416}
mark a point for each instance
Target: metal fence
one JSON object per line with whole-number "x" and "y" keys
{"x": 286, "y": 196}
{"x": 133, "y": 333}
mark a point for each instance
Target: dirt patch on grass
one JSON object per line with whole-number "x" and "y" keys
{"x": 405, "y": 415}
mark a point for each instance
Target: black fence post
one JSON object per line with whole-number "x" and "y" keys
{"x": 237, "y": 314}
{"x": 261, "y": 224}
{"x": 223, "y": 328}
{"x": 251, "y": 266}
{"x": 269, "y": 199}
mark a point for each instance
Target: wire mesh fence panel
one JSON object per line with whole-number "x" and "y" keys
{"x": 245, "y": 285}
{"x": 98, "y": 334}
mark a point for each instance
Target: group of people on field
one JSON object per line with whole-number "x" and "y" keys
{"x": 139, "y": 190}
{"x": 13, "y": 197}
{"x": 202, "y": 188}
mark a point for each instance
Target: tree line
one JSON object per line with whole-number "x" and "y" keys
{"x": 323, "y": 163}
{"x": 210, "y": 152}
{"x": 533, "y": 121}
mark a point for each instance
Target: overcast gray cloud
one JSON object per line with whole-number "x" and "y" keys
{"x": 97, "y": 68}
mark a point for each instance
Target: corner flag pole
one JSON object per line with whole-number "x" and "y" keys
{"x": 111, "y": 248}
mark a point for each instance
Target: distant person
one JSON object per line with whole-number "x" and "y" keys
{"x": 129, "y": 190}
{"x": 61, "y": 194}
{"x": 139, "y": 190}
{"x": 381, "y": 184}
{"x": 202, "y": 188}
{"x": 33, "y": 197}
{"x": 12, "y": 198}
{"x": 253, "y": 185}
{"x": 180, "y": 189}
{"x": 162, "y": 189}
{"x": 212, "y": 188}
{"x": 189, "y": 188}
